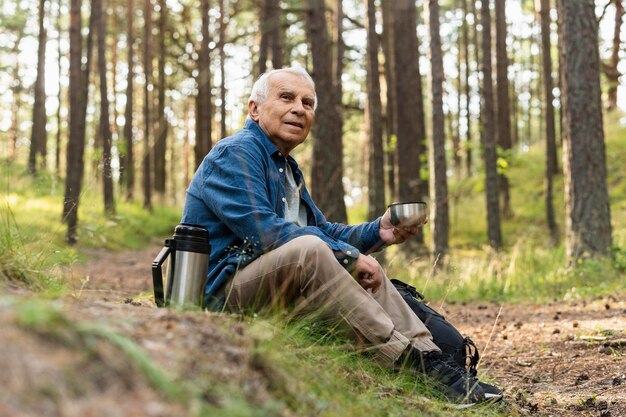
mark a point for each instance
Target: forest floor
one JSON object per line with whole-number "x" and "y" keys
{"x": 553, "y": 359}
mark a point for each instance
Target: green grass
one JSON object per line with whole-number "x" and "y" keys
{"x": 528, "y": 268}
{"x": 32, "y": 236}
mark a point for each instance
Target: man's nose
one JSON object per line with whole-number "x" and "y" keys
{"x": 297, "y": 107}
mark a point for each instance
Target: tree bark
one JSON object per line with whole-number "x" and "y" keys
{"x": 38, "y": 136}
{"x": 439, "y": 216}
{"x": 409, "y": 123}
{"x": 390, "y": 139}
{"x": 79, "y": 92}
{"x": 327, "y": 169}
{"x": 127, "y": 160}
{"x": 588, "y": 215}
{"x": 488, "y": 136}
{"x": 204, "y": 111}
{"x": 105, "y": 127}
{"x": 222, "y": 43}
{"x": 503, "y": 106}
{"x": 162, "y": 124}
{"x": 57, "y": 151}
{"x": 551, "y": 159}
{"x": 611, "y": 71}
{"x": 376, "y": 174}
{"x": 147, "y": 104}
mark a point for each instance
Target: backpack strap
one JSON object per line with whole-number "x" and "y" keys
{"x": 408, "y": 288}
{"x": 471, "y": 355}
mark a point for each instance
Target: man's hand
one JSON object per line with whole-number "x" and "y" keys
{"x": 392, "y": 235}
{"x": 368, "y": 273}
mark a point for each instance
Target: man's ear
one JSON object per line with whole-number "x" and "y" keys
{"x": 253, "y": 110}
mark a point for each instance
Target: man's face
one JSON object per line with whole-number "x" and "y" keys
{"x": 287, "y": 113}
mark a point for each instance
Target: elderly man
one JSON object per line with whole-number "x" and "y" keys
{"x": 271, "y": 246}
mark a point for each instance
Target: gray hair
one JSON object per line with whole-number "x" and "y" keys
{"x": 260, "y": 89}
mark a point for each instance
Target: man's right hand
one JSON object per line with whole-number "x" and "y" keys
{"x": 368, "y": 273}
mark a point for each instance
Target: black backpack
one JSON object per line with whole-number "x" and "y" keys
{"x": 445, "y": 335}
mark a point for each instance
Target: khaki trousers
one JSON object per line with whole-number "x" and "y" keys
{"x": 305, "y": 271}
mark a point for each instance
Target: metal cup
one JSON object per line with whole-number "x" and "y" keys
{"x": 411, "y": 213}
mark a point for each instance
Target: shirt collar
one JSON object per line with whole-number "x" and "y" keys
{"x": 268, "y": 146}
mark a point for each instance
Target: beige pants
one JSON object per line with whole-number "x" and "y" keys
{"x": 305, "y": 271}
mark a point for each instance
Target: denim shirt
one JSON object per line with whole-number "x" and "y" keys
{"x": 238, "y": 195}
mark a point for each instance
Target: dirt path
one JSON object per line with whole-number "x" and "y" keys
{"x": 555, "y": 359}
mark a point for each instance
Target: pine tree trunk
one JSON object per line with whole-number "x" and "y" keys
{"x": 376, "y": 174}
{"x": 551, "y": 159}
{"x": 222, "y": 43}
{"x": 39, "y": 133}
{"x": 162, "y": 125}
{"x": 409, "y": 124}
{"x": 588, "y": 215}
{"x": 611, "y": 71}
{"x": 127, "y": 160}
{"x": 503, "y": 104}
{"x": 105, "y": 127}
{"x": 439, "y": 217}
{"x": 275, "y": 31}
{"x": 468, "y": 94}
{"x": 327, "y": 169}
{"x": 57, "y": 155}
{"x": 488, "y": 134}
{"x": 79, "y": 92}
{"x": 203, "y": 116}
{"x": 390, "y": 151}
{"x": 147, "y": 104}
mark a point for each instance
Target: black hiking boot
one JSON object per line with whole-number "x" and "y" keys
{"x": 458, "y": 385}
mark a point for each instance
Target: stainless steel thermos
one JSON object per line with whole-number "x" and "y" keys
{"x": 188, "y": 253}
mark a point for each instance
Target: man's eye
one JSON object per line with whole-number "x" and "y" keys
{"x": 285, "y": 96}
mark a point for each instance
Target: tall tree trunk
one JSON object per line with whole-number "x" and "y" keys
{"x": 222, "y": 43}
{"x": 162, "y": 125}
{"x": 544, "y": 14}
{"x": 376, "y": 174}
{"x": 38, "y": 136}
{"x": 469, "y": 155}
{"x": 440, "y": 222}
{"x": 79, "y": 92}
{"x": 468, "y": 93}
{"x": 327, "y": 170}
{"x": 503, "y": 104}
{"x": 105, "y": 127}
{"x": 409, "y": 123}
{"x": 275, "y": 31}
{"x": 127, "y": 160}
{"x": 455, "y": 133}
{"x": 147, "y": 104}
{"x": 588, "y": 215}
{"x": 488, "y": 136}
{"x": 390, "y": 155}
{"x": 57, "y": 151}
{"x": 611, "y": 71}
{"x": 204, "y": 111}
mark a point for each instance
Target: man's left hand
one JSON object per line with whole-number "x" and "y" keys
{"x": 392, "y": 235}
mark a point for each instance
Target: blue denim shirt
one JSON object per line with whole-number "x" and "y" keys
{"x": 238, "y": 195}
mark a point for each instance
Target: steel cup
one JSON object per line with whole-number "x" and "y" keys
{"x": 413, "y": 213}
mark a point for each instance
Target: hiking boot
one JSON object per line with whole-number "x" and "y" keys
{"x": 492, "y": 393}
{"x": 457, "y": 384}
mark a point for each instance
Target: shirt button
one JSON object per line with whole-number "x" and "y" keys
{"x": 345, "y": 262}
{"x": 284, "y": 200}
{"x": 280, "y": 169}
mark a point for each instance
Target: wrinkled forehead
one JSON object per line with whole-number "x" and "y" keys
{"x": 287, "y": 81}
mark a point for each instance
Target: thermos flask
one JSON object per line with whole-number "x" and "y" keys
{"x": 188, "y": 253}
